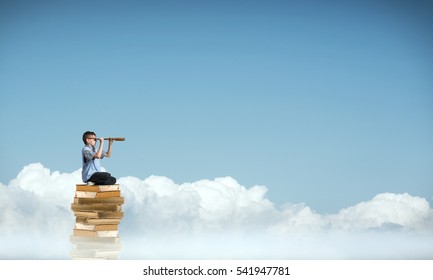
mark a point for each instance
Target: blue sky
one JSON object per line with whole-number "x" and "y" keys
{"x": 323, "y": 103}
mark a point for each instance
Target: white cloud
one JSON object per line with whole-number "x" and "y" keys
{"x": 387, "y": 210}
{"x": 299, "y": 218}
{"x": 159, "y": 203}
{"x": 38, "y": 202}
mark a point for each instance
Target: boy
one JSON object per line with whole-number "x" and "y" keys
{"x": 91, "y": 173}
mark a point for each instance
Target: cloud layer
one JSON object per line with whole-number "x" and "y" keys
{"x": 38, "y": 202}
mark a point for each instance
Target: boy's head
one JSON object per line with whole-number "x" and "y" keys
{"x": 89, "y": 137}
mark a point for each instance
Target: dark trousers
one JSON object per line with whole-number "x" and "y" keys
{"x": 102, "y": 178}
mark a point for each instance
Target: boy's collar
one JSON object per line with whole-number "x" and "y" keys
{"x": 91, "y": 147}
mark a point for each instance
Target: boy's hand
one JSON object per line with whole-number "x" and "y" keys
{"x": 101, "y": 140}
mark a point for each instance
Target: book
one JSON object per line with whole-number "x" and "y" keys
{"x": 98, "y": 214}
{"x": 87, "y": 200}
{"x": 91, "y": 233}
{"x": 97, "y": 245}
{"x": 90, "y": 240}
{"x": 99, "y": 218}
{"x": 110, "y": 215}
{"x": 86, "y": 214}
{"x": 97, "y": 188}
{"x": 85, "y": 194}
{"x": 96, "y": 207}
{"x": 103, "y": 221}
{"x": 102, "y": 227}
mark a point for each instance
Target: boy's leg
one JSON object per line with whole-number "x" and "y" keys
{"x": 102, "y": 178}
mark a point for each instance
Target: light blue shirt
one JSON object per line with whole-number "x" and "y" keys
{"x": 90, "y": 164}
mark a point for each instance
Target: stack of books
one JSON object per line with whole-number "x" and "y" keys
{"x": 98, "y": 212}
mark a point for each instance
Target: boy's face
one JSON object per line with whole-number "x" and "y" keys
{"x": 91, "y": 140}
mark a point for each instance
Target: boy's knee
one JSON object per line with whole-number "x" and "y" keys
{"x": 113, "y": 181}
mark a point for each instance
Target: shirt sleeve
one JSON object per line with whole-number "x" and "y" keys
{"x": 88, "y": 155}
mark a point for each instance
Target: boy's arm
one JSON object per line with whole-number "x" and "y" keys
{"x": 99, "y": 152}
{"x": 110, "y": 143}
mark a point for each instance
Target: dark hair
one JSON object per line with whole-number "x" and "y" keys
{"x": 87, "y": 134}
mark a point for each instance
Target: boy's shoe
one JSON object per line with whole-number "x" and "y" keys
{"x": 90, "y": 183}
